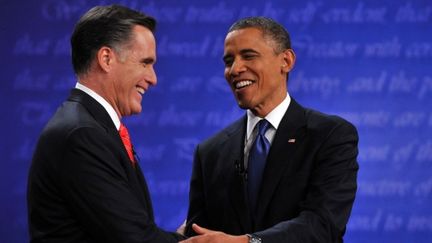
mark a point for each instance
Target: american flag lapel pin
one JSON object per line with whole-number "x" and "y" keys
{"x": 291, "y": 140}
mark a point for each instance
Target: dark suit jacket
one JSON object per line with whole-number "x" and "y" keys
{"x": 308, "y": 185}
{"x": 82, "y": 187}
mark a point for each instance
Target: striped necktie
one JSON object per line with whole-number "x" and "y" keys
{"x": 256, "y": 164}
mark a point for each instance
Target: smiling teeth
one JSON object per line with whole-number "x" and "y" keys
{"x": 140, "y": 90}
{"x": 242, "y": 84}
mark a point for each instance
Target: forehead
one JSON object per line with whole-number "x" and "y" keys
{"x": 247, "y": 38}
{"x": 143, "y": 40}
{"x": 143, "y": 32}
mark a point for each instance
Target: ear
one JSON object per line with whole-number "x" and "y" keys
{"x": 288, "y": 60}
{"x": 105, "y": 58}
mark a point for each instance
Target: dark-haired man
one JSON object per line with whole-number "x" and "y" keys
{"x": 85, "y": 184}
{"x": 280, "y": 174}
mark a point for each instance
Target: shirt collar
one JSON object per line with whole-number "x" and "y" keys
{"x": 274, "y": 117}
{"x": 102, "y": 101}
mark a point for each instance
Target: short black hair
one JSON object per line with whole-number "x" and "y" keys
{"x": 269, "y": 28}
{"x": 104, "y": 26}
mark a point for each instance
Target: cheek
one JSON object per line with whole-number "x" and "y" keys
{"x": 226, "y": 73}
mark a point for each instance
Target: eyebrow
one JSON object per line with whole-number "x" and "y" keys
{"x": 148, "y": 60}
{"x": 245, "y": 51}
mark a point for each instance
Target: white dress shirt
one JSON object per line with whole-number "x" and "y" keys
{"x": 274, "y": 118}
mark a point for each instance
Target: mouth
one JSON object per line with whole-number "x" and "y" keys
{"x": 140, "y": 90}
{"x": 240, "y": 84}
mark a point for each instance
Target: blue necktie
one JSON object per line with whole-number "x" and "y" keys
{"x": 257, "y": 161}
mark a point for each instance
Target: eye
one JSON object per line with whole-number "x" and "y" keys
{"x": 147, "y": 61}
{"x": 228, "y": 61}
{"x": 249, "y": 56}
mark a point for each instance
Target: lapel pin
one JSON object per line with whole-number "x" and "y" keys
{"x": 291, "y": 140}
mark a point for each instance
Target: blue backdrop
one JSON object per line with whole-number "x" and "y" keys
{"x": 369, "y": 61}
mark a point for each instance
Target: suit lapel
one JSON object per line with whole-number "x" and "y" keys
{"x": 102, "y": 117}
{"x": 288, "y": 137}
{"x": 134, "y": 175}
{"x": 237, "y": 184}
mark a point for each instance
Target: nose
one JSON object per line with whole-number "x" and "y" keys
{"x": 237, "y": 67}
{"x": 151, "y": 78}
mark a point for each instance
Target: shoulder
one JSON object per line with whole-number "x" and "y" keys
{"x": 317, "y": 118}
{"x": 235, "y": 129}
{"x": 69, "y": 118}
{"x": 325, "y": 125}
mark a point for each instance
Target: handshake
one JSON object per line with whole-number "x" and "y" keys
{"x": 207, "y": 235}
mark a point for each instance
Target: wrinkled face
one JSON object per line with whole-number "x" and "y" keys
{"x": 134, "y": 72}
{"x": 254, "y": 71}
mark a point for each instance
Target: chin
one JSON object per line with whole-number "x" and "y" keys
{"x": 243, "y": 105}
{"x": 136, "y": 110}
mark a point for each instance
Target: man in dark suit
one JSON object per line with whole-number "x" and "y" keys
{"x": 85, "y": 184}
{"x": 304, "y": 190}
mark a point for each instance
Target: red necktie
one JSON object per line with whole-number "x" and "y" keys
{"x": 124, "y": 134}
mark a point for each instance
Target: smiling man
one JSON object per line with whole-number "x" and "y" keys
{"x": 282, "y": 173}
{"x": 85, "y": 183}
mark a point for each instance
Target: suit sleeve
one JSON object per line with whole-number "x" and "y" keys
{"x": 97, "y": 192}
{"x": 330, "y": 194}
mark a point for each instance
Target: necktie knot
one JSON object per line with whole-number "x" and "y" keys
{"x": 124, "y": 135}
{"x": 263, "y": 125}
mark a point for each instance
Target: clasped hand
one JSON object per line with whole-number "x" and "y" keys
{"x": 211, "y": 236}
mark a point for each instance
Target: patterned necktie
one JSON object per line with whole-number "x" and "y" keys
{"x": 257, "y": 160}
{"x": 124, "y": 134}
